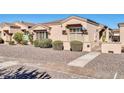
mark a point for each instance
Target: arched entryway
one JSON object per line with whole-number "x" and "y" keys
{"x": 101, "y": 33}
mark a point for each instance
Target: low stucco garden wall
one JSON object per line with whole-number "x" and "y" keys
{"x": 66, "y": 45}
{"x": 111, "y": 48}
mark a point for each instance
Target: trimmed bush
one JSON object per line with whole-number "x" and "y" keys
{"x": 11, "y": 43}
{"x": 57, "y": 45}
{"x": 45, "y": 43}
{"x": 24, "y": 42}
{"x": 1, "y": 41}
{"x": 76, "y": 45}
{"x": 18, "y": 37}
{"x": 37, "y": 43}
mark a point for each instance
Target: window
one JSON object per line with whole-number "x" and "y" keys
{"x": 64, "y": 32}
{"x": 4, "y": 34}
{"x": 76, "y": 29}
{"x": 23, "y": 30}
{"x": 71, "y": 30}
{"x": 41, "y": 35}
{"x": 29, "y": 26}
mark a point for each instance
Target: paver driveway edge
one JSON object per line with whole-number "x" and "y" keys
{"x": 85, "y": 59}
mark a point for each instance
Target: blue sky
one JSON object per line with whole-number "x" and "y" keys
{"x": 110, "y": 20}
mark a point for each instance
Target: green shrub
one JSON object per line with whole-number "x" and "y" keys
{"x": 57, "y": 45}
{"x": 31, "y": 38}
{"x": 18, "y": 37}
{"x": 45, "y": 43}
{"x": 11, "y": 43}
{"x": 24, "y": 42}
{"x": 76, "y": 45}
{"x": 1, "y": 41}
{"x": 37, "y": 43}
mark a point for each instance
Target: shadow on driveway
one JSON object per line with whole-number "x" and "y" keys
{"x": 22, "y": 73}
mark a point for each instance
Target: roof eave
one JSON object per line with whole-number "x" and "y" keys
{"x": 121, "y": 25}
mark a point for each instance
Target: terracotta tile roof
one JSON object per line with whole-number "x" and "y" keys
{"x": 120, "y": 24}
{"x": 81, "y": 18}
{"x": 40, "y": 25}
{"x": 26, "y": 23}
{"x": 52, "y": 23}
{"x": 9, "y": 24}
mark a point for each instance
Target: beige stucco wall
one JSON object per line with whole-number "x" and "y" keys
{"x": 122, "y": 35}
{"x": 56, "y": 33}
{"x": 115, "y": 47}
{"x": 92, "y": 32}
{"x": 87, "y": 46}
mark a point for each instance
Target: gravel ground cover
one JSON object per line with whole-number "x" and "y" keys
{"x": 32, "y": 55}
{"x": 106, "y": 66}
{"x": 38, "y": 54}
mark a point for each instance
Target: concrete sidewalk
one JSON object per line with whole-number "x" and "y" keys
{"x": 83, "y": 60}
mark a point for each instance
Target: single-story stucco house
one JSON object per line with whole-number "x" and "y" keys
{"x": 85, "y": 30}
{"x": 92, "y": 34}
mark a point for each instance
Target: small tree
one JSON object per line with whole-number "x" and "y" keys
{"x": 18, "y": 37}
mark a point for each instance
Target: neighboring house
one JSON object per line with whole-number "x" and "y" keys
{"x": 116, "y": 35}
{"x": 117, "y": 44}
{"x": 7, "y": 30}
{"x": 89, "y": 32}
{"x": 25, "y": 26}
